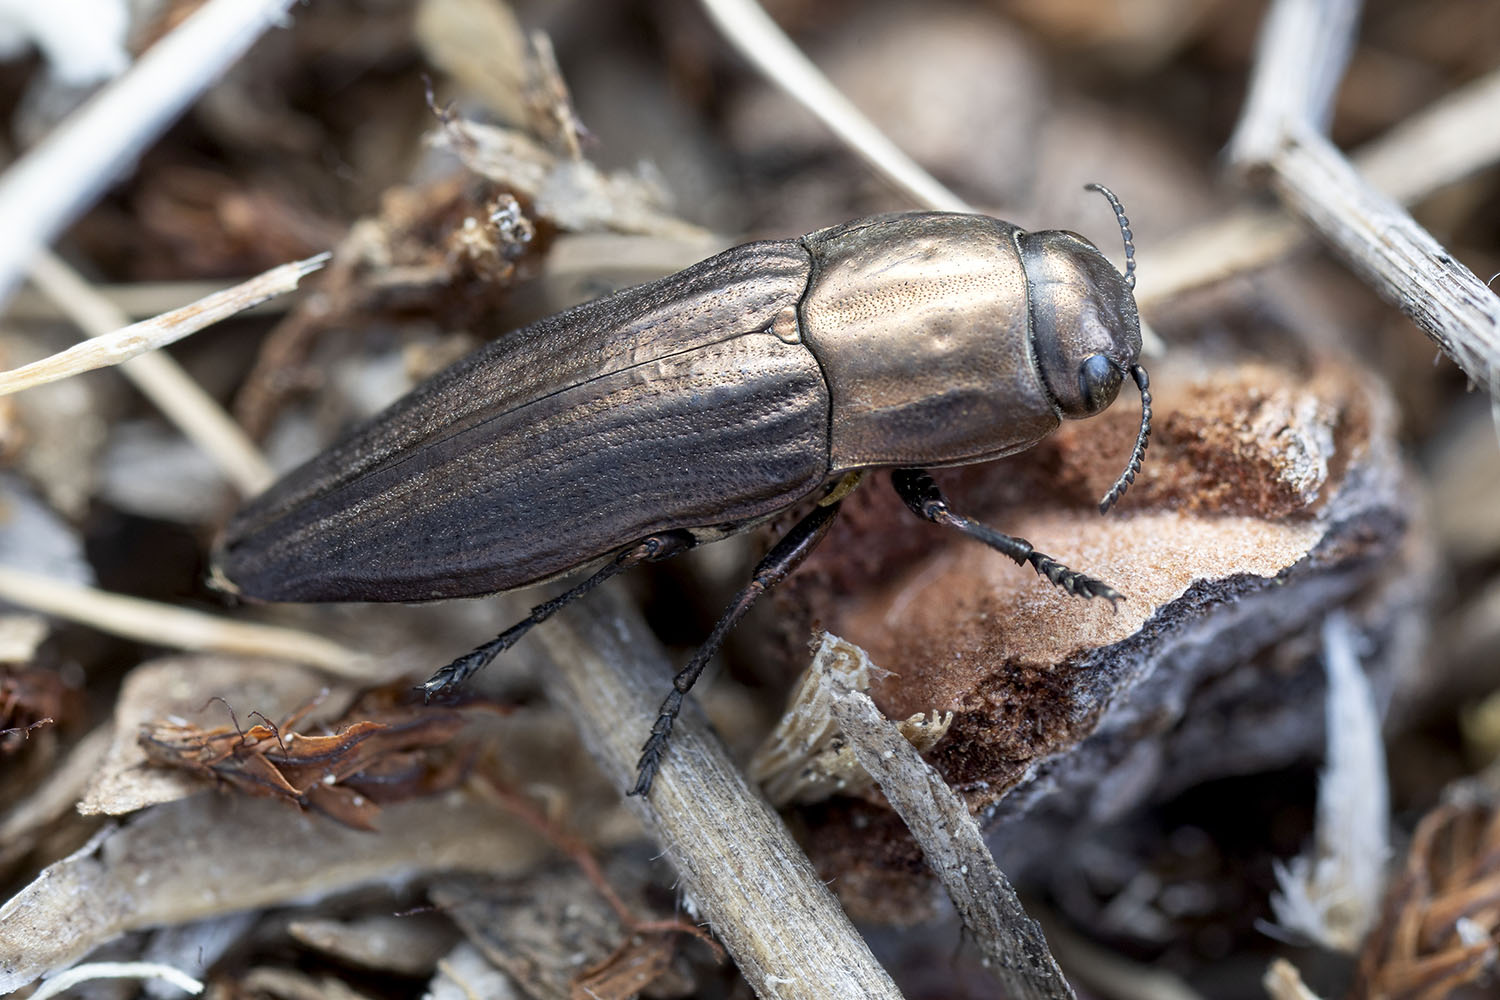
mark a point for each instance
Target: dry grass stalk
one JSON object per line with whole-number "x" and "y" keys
{"x": 160, "y": 378}
{"x": 756, "y": 37}
{"x": 740, "y": 869}
{"x": 164, "y": 625}
{"x": 1331, "y": 894}
{"x": 120, "y": 345}
{"x": 136, "y": 300}
{"x": 79, "y": 974}
{"x": 61, "y": 177}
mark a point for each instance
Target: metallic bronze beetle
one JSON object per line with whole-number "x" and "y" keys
{"x": 646, "y": 422}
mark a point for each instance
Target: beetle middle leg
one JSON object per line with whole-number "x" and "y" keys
{"x": 926, "y": 500}
{"x": 651, "y": 549}
{"x": 777, "y": 565}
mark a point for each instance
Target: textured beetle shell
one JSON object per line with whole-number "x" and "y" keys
{"x": 684, "y": 403}
{"x": 706, "y": 401}
{"x": 922, "y": 324}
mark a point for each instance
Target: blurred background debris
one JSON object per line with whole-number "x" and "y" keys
{"x": 1269, "y": 772}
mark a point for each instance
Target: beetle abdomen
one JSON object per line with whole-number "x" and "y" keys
{"x": 661, "y": 407}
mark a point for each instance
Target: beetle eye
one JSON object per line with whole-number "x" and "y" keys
{"x": 1099, "y": 381}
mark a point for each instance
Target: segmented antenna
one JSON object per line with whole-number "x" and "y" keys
{"x": 1124, "y": 231}
{"x": 1118, "y": 489}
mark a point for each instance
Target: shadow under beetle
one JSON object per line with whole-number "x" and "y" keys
{"x": 636, "y": 426}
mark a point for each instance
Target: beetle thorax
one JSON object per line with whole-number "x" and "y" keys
{"x": 920, "y": 324}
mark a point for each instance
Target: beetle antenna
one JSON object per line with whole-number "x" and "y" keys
{"x": 1118, "y": 489}
{"x": 1124, "y": 231}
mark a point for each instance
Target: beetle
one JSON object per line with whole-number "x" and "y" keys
{"x": 633, "y": 427}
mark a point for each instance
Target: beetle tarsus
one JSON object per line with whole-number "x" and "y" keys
{"x": 785, "y": 556}
{"x": 1072, "y": 581}
{"x": 650, "y": 549}
{"x": 656, "y": 746}
{"x": 926, "y": 500}
{"x": 469, "y": 664}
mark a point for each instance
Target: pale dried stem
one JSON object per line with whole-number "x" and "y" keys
{"x": 1302, "y": 52}
{"x": 135, "y": 299}
{"x": 1012, "y": 943}
{"x": 164, "y": 625}
{"x": 62, "y": 176}
{"x": 1283, "y": 982}
{"x": 1300, "y": 58}
{"x": 194, "y": 412}
{"x": 1443, "y": 144}
{"x": 119, "y": 345}
{"x": 758, "y": 38}
{"x": 80, "y": 974}
{"x": 739, "y": 868}
{"x": 1386, "y": 247}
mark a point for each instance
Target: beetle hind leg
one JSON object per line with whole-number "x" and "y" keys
{"x": 926, "y": 500}
{"x": 650, "y": 549}
{"x": 777, "y": 565}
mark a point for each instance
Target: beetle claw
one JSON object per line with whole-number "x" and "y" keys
{"x": 457, "y": 672}
{"x": 647, "y": 767}
{"x": 1076, "y": 583}
{"x": 656, "y": 746}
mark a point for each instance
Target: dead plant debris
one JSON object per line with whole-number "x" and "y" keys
{"x": 469, "y": 166}
{"x": 379, "y": 752}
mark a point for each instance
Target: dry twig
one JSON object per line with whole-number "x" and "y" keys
{"x": 160, "y": 378}
{"x": 60, "y": 178}
{"x": 117, "y": 346}
{"x": 164, "y": 625}
{"x": 739, "y": 867}
{"x": 756, "y": 37}
{"x": 1386, "y": 247}
{"x": 1013, "y": 945}
{"x": 1445, "y": 143}
{"x": 1300, "y": 61}
{"x": 1280, "y": 136}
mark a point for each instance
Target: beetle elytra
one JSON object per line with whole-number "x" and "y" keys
{"x": 633, "y": 427}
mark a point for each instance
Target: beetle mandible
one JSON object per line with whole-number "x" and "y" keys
{"x": 638, "y": 425}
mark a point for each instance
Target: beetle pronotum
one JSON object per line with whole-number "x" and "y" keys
{"x": 636, "y": 426}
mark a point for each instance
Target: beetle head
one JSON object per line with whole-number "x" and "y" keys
{"x": 1085, "y": 331}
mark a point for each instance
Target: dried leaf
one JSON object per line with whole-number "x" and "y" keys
{"x": 564, "y": 931}
{"x": 408, "y": 944}
{"x": 377, "y": 753}
{"x": 182, "y": 688}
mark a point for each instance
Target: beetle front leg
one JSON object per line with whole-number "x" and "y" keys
{"x": 777, "y": 565}
{"x": 651, "y": 549}
{"x": 926, "y": 500}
